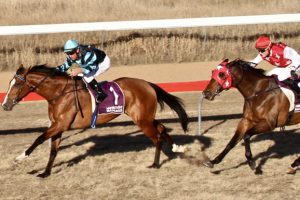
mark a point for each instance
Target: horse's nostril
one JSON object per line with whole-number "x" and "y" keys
{"x": 5, "y": 107}
{"x": 205, "y": 93}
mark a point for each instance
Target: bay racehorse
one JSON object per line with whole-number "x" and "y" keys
{"x": 265, "y": 105}
{"x": 141, "y": 98}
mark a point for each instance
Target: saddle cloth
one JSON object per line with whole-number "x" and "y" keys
{"x": 291, "y": 97}
{"x": 289, "y": 93}
{"x": 113, "y": 103}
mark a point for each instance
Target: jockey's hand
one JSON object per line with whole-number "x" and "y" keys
{"x": 294, "y": 75}
{"x": 75, "y": 72}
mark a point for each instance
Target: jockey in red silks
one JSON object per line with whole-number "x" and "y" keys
{"x": 285, "y": 59}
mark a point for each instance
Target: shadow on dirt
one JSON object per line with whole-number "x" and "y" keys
{"x": 131, "y": 142}
{"x": 285, "y": 144}
{"x": 125, "y": 123}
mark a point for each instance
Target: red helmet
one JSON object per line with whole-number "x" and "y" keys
{"x": 263, "y": 42}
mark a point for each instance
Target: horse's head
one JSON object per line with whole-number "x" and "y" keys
{"x": 18, "y": 89}
{"x": 221, "y": 79}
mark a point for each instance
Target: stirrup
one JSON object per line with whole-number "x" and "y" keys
{"x": 100, "y": 97}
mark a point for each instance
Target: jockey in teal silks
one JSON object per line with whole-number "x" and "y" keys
{"x": 92, "y": 62}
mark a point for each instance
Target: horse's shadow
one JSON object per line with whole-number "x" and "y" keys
{"x": 130, "y": 142}
{"x": 285, "y": 144}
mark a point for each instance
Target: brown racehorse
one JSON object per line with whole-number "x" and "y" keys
{"x": 265, "y": 105}
{"x": 141, "y": 98}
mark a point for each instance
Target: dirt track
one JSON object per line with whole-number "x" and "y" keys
{"x": 111, "y": 162}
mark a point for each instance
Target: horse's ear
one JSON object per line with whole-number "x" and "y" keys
{"x": 225, "y": 61}
{"x": 21, "y": 69}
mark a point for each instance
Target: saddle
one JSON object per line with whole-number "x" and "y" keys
{"x": 292, "y": 91}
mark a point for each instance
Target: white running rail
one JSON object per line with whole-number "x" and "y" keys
{"x": 148, "y": 24}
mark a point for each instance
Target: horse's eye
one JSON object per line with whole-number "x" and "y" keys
{"x": 222, "y": 75}
{"x": 19, "y": 83}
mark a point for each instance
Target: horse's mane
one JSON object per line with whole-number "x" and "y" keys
{"x": 247, "y": 66}
{"x": 44, "y": 69}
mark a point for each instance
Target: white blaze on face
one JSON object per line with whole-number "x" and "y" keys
{"x": 10, "y": 86}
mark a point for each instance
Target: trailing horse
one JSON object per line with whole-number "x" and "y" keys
{"x": 265, "y": 105}
{"x": 70, "y": 106}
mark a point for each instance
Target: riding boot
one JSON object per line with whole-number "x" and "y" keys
{"x": 294, "y": 85}
{"x": 100, "y": 95}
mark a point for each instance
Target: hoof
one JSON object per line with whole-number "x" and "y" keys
{"x": 208, "y": 164}
{"x": 291, "y": 170}
{"x": 154, "y": 166}
{"x": 252, "y": 165}
{"x": 20, "y": 158}
{"x": 43, "y": 175}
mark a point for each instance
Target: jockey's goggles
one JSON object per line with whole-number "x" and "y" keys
{"x": 263, "y": 50}
{"x": 71, "y": 52}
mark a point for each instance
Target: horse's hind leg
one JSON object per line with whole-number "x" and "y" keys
{"x": 248, "y": 152}
{"x": 163, "y": 132}
{"x": 150, "y": 131}
{"x": 165, "y": 137}
{"x": 54, "y": 149}
{"x": 294, "y": 165}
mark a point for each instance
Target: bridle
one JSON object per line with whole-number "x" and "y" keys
{"x": 239, "y": 81}
{"x": 225, "y": 82}
{"x": 30, "y": 86}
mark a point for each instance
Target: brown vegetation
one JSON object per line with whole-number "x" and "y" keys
{"x": 147, "y": 46}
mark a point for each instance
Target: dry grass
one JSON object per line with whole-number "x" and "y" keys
{"x": 150, "y": 46}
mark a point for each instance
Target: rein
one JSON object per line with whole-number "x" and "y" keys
{"x": 261, "y": 92}
{"x": 77, "y": 102}
{"x": 32, "y": 88}
{"x": 269, "y": 89}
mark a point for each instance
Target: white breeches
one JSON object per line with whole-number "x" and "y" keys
{"x": 282, "y": 72}
{"x": 102, "y": 67}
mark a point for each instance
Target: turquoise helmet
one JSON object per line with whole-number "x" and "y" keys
{"x": 70, "y": 46}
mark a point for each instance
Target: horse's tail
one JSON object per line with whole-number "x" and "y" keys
{"x": 175, "y": 103}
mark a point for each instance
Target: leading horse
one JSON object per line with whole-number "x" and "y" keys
{"x": 265, "y": 105}
{"x": 63, "y": 94}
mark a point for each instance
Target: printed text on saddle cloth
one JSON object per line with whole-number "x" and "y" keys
{"x": 222, "y": 75}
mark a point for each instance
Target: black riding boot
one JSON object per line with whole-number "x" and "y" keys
{"x": 296, "y": 86}
{"x": 100, "y": 95}
{"x": 293, "y": 84}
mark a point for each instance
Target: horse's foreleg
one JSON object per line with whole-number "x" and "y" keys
{"x": 243, "y": 126}
{"x": 52, "y": 131}
{"x": 54, "y": 149}
{"x": 235, "y": 139}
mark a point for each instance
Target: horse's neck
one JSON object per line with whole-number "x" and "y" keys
{"x": 252, "y": 85}
{"x": 50, "y": 86}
